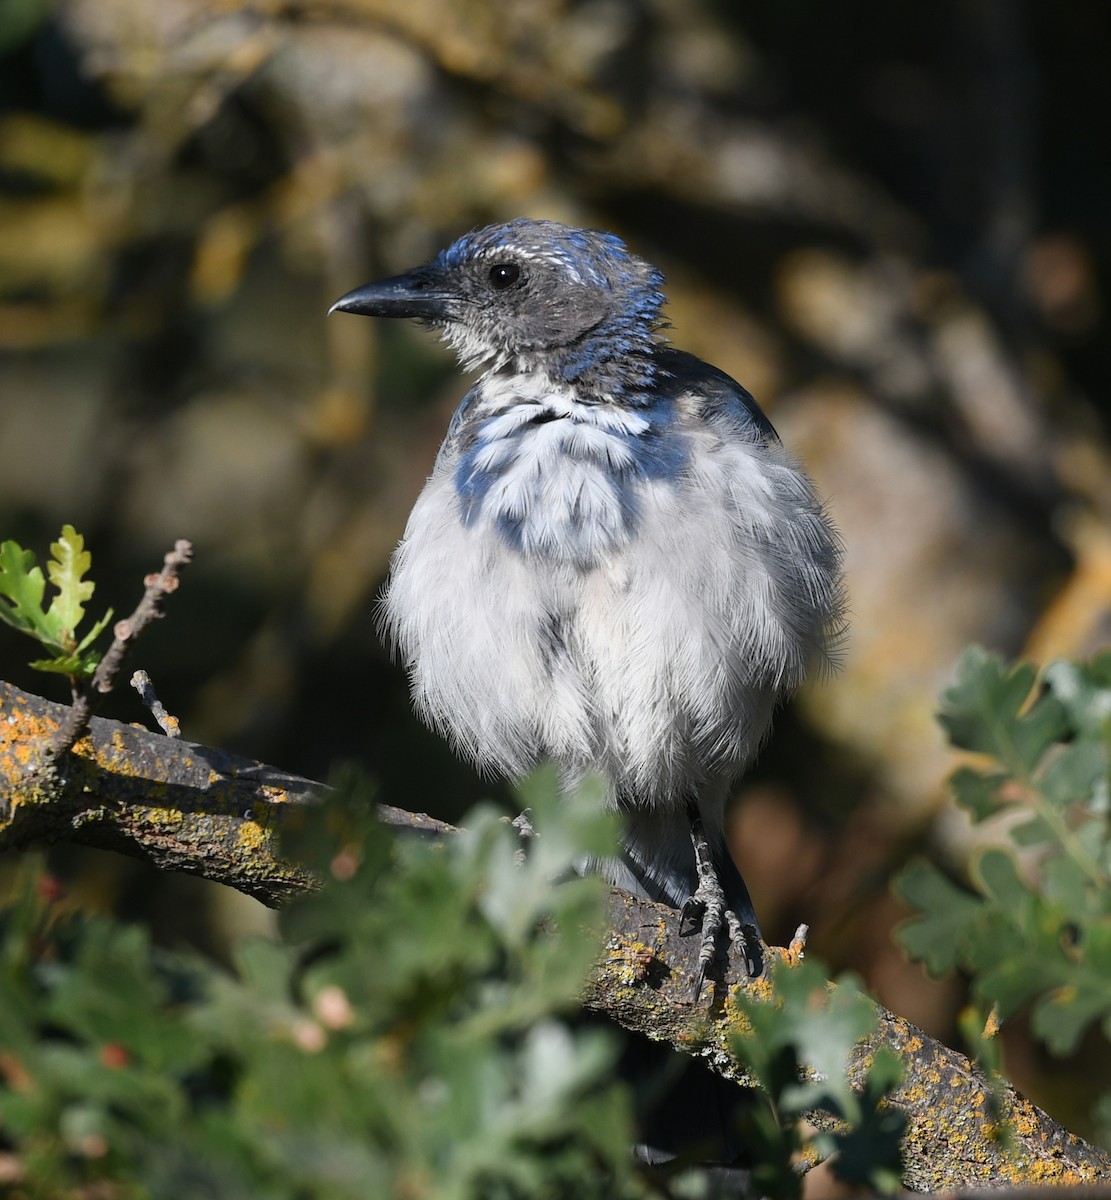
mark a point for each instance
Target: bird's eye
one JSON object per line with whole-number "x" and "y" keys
{"x": 504, "y": 275}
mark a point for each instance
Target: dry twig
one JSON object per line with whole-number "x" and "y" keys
{"x": 86, "y": 696}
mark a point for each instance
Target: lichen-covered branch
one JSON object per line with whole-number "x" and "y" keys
{"x": 182, "y": 806}
{"x": 191, "y": 808}
{"x": 952, "y": 1139}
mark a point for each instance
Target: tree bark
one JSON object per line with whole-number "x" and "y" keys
{"x": 191, "y": 808}
{"x": 182, "y": 806}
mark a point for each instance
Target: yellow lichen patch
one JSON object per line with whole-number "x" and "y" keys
{"x": 630, "y": 960}
{"x": 113, "y": 754}
{"x": 760, "y": 989}
{"x": 736, "y": 1023}
{"x": 733, "y": 1020}
{"x": 1023, "y": 1119}
{"x": 21, "y": 734}
{"x": 944, "y": 1113}
{"x": 251, "y": 836}
{"x": 810, "y": 1156}
{"x": 160, "y": 815}
{"x": 1050, "y": 1170}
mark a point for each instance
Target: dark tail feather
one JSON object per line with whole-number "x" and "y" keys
{"x": 736, "y": 890}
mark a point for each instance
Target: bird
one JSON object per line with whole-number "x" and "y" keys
{"x": 615, "y": 565}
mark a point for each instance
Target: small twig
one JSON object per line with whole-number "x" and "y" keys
{"x": 85, "y": 698}
{"x": 523, "y": 824}
{"x": 526, "y": 832}
{"x": 158, "y": 587}
{"x": 169, "y": 724}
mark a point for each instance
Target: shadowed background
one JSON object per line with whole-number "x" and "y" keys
{"x": 888, "y": 222}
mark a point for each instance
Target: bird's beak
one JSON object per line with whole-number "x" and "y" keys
{"x": 414, "y": 294}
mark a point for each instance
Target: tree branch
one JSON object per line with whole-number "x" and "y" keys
{"x": 182, "y": 806}
{"x": 191, "y": 808}
{"x": 952, "y": 1139}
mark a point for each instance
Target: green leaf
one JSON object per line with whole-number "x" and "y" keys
{"x": 1066, "y": 885}
{"x": 22, "y": 590}
{"x": 947, "y": 913}
{"x": 827, "y": 1023}
{"x": 1040, "y": 937}
{"x": 797, "y": 1047}
{"x": 73, "y": 665}
{"x": 1013, "y": 981}
{"x": 1036, "y": 831}
{"x": 984, "y": 711}
{"x": 1075, "y": 774}
{"x": 365, "y": 1052}
{"x": 19, "y": 20}
{"x": 869, "y": 1153}
{"x": 977, "y": 792}
{"x": 22, "y": 587}
{"x": 94, "y": 633}
{"x": 1061, "y": 1017}
{"x": 1091, "y": 837}
{"x": 997, "y": 874}
{"x": 1084, "y": 691}
{"x": 69, "y": 564}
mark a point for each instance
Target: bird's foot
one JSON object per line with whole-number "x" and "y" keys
{"x": 707, "y": 912}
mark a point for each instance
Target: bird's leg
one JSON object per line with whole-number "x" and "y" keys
{"x": 707, "y": 910}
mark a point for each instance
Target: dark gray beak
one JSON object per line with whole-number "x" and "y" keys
{"x": 414, "y": 294}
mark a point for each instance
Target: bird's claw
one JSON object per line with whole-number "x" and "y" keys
{"x": 715, "y": 919}
{"x": 690, "y": 916}
{"x": 707, "y": 911}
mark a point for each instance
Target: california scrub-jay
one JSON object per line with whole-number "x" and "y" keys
{"x": 614, "y": 565}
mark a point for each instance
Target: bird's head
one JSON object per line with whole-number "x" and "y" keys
{"x": 534, "y": 296}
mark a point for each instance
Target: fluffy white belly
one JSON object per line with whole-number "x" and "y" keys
{"x": 656, "y": 666}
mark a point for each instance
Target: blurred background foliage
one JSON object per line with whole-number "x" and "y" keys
{"x": 888, "y": 221}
